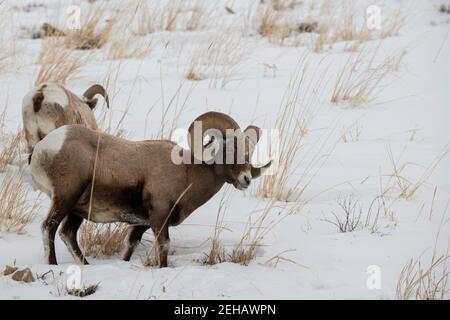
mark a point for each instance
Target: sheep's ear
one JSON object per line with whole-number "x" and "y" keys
{"x": 253, "y": 134}
{"x": 92, "y": 103}
{"x": 257, "y": 172}
{"x": 210, "y": 150}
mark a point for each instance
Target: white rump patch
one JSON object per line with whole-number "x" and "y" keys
{"x": 52, "y": 142}
{"x": 53, "y": 93}
{"x": 50, "y": 145}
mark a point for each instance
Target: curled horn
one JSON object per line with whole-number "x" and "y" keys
{"x": 92, "y": 91}
{"x": 214, "y": 124}
{"x": 254, "y": 133}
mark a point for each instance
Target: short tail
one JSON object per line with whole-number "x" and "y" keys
{"x": 37, "y": 101}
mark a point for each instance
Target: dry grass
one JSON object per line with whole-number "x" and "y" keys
{"x": 217, "y": 253}
{"x": 219, "y": 60}
{"x": 278, "y": 27}
{"x": 99, "y": 239}
{"x": 8, "y": 50}
{"x": 170, "y": 112}
{"x": 408, "y": 187}
{"x": 105, "y": 118}
{"x": 246, "y": 249}
{"x": 16, "y": 211}
{"x": 11, "y": 146}
{"x": 94, "y": 32}
{"x": 58, "y": 64}
{"x": 338, "y": 23}
{"x": 362, "y": 77}
{"x": 298, "y": 108}
{"x": 173, "y": 16}
{"x": 427, "y": 281}
{"x": 128, "y": 47}
{"x": 424, "y": 282}
{"x": 251, "y": 240}
{"x": 394, "y": 23}
{"x": 280, "y": 5}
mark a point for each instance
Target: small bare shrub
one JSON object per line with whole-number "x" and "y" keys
{"x": 352, "y": 216}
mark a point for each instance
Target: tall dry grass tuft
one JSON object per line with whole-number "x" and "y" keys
{"x": 251, "y": 240}
{"x": 8, "y": 40}
{"x": 299, "y": 105}
{"x": 171, "y": 111}
{"x": 278, "y": 27}
{"x": 217, "y": 253}
{"x": 11, "y": 143}
{"x": 173, "y": 16}
{"x": 58, "y": 64}
{"x": 427, "y": 281}
{"x": 408, "y": 187}
{"x": 10, "y": 148}
{"x": 219, "y": 60}
{"x": 424, "y": 282}
{"x": 16, "y": 211}
{"x": 100, "y": 239}
{"x": 393, "y": 24}
{"x": 128, "y": 47}
{"x": 95, "y": 30}
{"x": 341, "y": 21}
{"x": 361, "y": 79}
{"x": 246, "y": 249}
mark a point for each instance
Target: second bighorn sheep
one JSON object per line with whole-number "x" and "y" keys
{"x": 50, "y": 106}
{"x": 96, "y": 176}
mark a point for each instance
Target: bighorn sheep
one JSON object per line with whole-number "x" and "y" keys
{"x": 138, "y": 183}
{"x": 50, "y": 106}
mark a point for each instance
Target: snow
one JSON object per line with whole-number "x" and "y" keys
{"x": 319, "y": 262}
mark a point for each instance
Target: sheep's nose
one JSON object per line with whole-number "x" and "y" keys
{"x": 247, "y": 180}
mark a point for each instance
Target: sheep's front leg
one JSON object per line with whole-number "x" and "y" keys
{"x": 134, "y": 236}
{"x": 163, "y": 244}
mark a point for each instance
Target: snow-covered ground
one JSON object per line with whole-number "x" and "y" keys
{"x": 409, "y": 118}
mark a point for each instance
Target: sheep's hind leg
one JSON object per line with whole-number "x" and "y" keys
{"x": 68, "y": 234}
{"x": 57, "y": 213}
{"x": 134, "y": 237}
{"x": 163, "y": 244}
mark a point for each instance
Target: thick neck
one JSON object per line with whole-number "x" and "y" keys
{"x": 205, "y": 184}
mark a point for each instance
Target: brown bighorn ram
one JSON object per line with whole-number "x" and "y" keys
{"x": 136, "y": 182}
{"x": 50, "y": 106}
